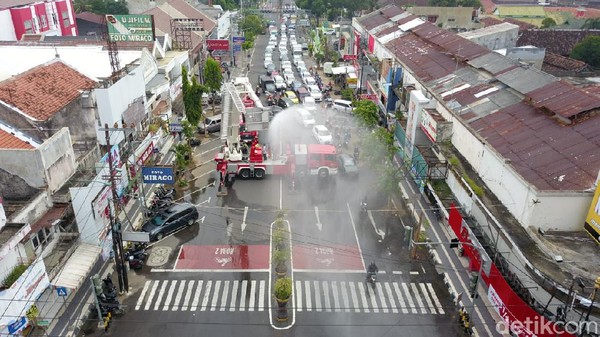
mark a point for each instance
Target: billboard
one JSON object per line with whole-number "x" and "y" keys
{"x": 130, "y": 28}
{"x": 237, "y": 42}
{"x": 217, "y": 44}
{"x": 592, "y": 221}
{"x": 158, "y": 175}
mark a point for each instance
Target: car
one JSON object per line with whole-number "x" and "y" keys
{"x": 322, "y": 134}
{"x": 279, "y": 82}
{"x": 315, "y": 92}
{"x": 309, "y": 80}
{"x": 285, "y": 103}
{"x": 268, "y": 55}
{"x": 346, "y": 165}
{"x": 211, "y": 124}
{"x": 300, "y": 64}
{"x": 267, "y": 62}
{"x": 289, "y": 80}
{"x": 296, "y": 58}
{"x": 171, "y": 219}
{"x": 292, "y": 96}
{"x": 288, "y": 72}
{"x": 303, "y": 71}
{"x": 270, "y": 69}
{"x": 309, "y": 104}
{"x": 284, "y": 57}
{"x": 305, "y": 118}
{"x": 286, "y": 64}
{"x": 304, "y": 46}
{"x": 296, "y": 84}
{"x": 329, "y": 31}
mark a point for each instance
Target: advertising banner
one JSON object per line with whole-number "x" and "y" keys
{"x": 158, "y": 175}
{"x": 217, "y": 44}
{"x": 592, "y": 221}
{"x": 237, "y": 42}
{"x": 130, "y": 28}
{"x": 349, "y": 57}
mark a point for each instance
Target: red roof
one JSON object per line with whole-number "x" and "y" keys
{"x": 90, "y": 17}
{"x": 44, "y": 90}
{"x": 563, "y": 99}
{"x": 10, "y": 141}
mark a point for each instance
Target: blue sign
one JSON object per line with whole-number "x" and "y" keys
{"x": 238, "y": 40}
{"x": 237, "y": 47}
{"x": 158, "y": 175}
{"x": 176, "y": 127}
{"x": 61, "y": 291}
{"x": 17, "y": 326}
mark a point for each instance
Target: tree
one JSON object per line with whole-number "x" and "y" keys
{"x": 253, "y": 24}
{"x": 588, "y": 51}
{"x": 213, "y": 78}
{"x": 106, "y": 6}
{"x": 548, "y": 22}
{"x": 379, "y": 151}
{"x": 81, "y": 6}
{"x": 366, "y": 111}
{"x": 591, "y": 24}
{"x": 192, "y": 98}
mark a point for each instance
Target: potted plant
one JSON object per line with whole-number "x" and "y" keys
{"x": 280, "y": 258}
{"x": 282, "y": 293}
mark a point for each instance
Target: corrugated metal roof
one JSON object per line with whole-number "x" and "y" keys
{"x": 77, "y": 268}
{"x": 525, "y": 80}
{"x": 390, "y": 11}
{"x": 373, "y": 22}
{"x": 493, "y": 63}
{"x": 388, "y": 30}
{"x": 563, "y": 99}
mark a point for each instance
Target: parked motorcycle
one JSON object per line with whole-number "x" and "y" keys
{"x": 134, "y": 263}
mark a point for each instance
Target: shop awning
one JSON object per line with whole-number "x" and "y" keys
{"x": 77, "y": 268}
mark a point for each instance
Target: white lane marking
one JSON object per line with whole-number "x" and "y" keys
{"x": 234, "y": 290}
{"x": 158, "y": 270}
{"x": 371, "y": 293}
{"x": 141, "y": 298}
{"x": 382, "y": 297}
{"x": 244, "y": 218}
{"x": 396, "y": 272}
{"x": 197, "y": 296}
{"x": 213, "y": 304}
{"x": 435, "y": 299}
{"x": 224, "y": 297}
{"x": 261, "y": 295}
{"x": 355, "y": 303}
{"x": 206, "y": 295}
{"x": 400, "y": 298}
{"x": 336, "y": 300}
{"x": 299, "y": 295}
{"x": 363, "y": 296}
{"x": 411, "y": 303}
{"x": 418, "y": 297}
{"x": 243, "y": 295}
{"x": 317, "y": 297}
{"x": 319, "y": 224}
{"x": 414, "y": 273}
{"x": 427, "y": 298}
{"x": 356, "y": 236}
{"x": 180, "y": 290}
{"x": 188, "y": 295}
{"x": 390, "y": 295}
{"x": 345, "y": 298}
{"x": 160, "y": 294}
{"x": 308, "y": 298}
{"x": 252, "y": 302}
{"x": 326, "y": 296}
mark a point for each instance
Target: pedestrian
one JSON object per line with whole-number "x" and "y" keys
{"x": 228, "y": 74}
{"x": 248, "y": 66}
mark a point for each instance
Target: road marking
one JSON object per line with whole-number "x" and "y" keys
{"x": 414, "y": 273}
{"x": 435, "y": 299}
{"x": 261, "y": 296}
{"x": 411, "y": 303}
{"x": 225, "y": 294}
{"x": 377, "y": 230}
{"x": 418, "y": 297}
{"x": 390, "y": 294}
{"x": 188, "y": 295}
{"x": 356, "y": 236}
{"x": 213, "y": 304}
{"x": 371, "y": 293}
{"x": 206, "y": 296}
{"x": 308, "y": 298}
{"x": 327, "y": 271}
{"x": 299, "y": 295}
{"x": 361, "y": 290}
{"x": 141, "y": 299}
{"x": 170, "y": 295}
{"x": 354, "y": 297}
{"x": 319, "y": 224}
{"x": 345, "y": 296}
{"x": 159, "y": 270}
{"x": 234, "y": 295}
{"x": 207, "y": 151}
{"x": 243, "y": 295}
{"x": 326, "y": 296}
{"x": 160, "y": 294}
{"x": 396, "y": 272}
{"x": 336, "y": 300}
{"x": 317, "y": 297}
{"x": 400, "y": 298}
{"x": 197, "y": 296}
{"x": 382, "y": 297}
{"x": 427, "y": 298}
{"x": 178, "y": 296}
{"x": 252, "y": 302}
{"x": 244, "y": 218}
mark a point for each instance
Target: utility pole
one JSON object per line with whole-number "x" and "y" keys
{"x": 114, "y": 223}
{"x": 415, "y": 236}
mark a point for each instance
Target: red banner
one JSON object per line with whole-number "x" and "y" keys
{"x": 349, "y": 57}
{"x": 371, "y": 97}
{"x": 518, "y": 316}
{"x": 217, "y": 44}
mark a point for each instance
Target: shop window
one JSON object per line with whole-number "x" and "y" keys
{"x": 44, "y": 21}
{"x": 65, "y": 17}
{"x": 28, "y": 27}
{"x": 42, "y": 238}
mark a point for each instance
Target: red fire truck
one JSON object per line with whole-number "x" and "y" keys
{"x": 298, "y": 161}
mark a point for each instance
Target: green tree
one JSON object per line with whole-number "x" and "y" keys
{"x": 591, "y": 24}
{"x": 548, "y": 22}
{"x": 192, "y": 98}
{"x": 81, "y": 6}
{"x": 588, "y": 51}
{"x": 379, "y": 151}
{"x": 366, "y": 111}
{"x": 253, "y": 24}
{"x": 107, "y": 6}
{"x": 213, "y": 78}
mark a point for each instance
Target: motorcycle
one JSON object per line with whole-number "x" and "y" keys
{"x": 372, "y": 278}
{"x": 138, "y": 252}
{"x": 134, "y": 263}
{"x": 163, "y": 192}
{"x": 363, "y": 205}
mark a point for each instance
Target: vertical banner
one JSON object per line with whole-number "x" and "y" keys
{"x": 592, "y": 221}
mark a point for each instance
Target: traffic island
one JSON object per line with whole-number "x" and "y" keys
{"x": 281, "y": 281}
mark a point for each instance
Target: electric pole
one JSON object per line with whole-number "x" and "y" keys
{"x": 114, "y": 220}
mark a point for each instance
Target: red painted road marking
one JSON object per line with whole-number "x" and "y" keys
{"x": 223, "y": 257}
{"x": 335, "y": 257}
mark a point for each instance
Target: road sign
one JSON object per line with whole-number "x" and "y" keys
{"x": 136, "y": 236}
{"x": 223, "y": 257}
{"x": 239, "y": 40}
{"x": 18, "y": 325}
{"x": 158, "y": 175}
{"x": 61, "y": 291}
{"x": 176, "y": 127}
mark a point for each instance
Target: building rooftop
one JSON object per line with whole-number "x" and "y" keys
{"x": 44, "y": 90}
{"x": 499, "y": 28}
{"x": 10, "y": 141}
{"x": 15, "y": 3}
{"x": 520, "y": 11}
{"x": 90, "y": 17}
{"x": 556, "y": 41}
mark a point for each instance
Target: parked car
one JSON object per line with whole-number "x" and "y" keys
{"x": 346, "y": 165}
{"x": 295, "y": 85}
{"x": 315, "y": 92}
{"x": 279, "y": 82}
{"x": 309, "y": 104}
{"x": 305, "y": 118}
{"x": 267, "y": 62}
{"x": 270, "y": 69}
{"x": 322, "y": 134}
{"x": 309, "y": 80}
{"x": 292, "y": 96}
{"x": 171, "y": 219}
{"x": 285, "y": 103}
{"x": 211, "y": 124}
{"x": 289, "y": 80}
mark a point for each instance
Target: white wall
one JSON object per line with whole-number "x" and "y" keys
{"x": 88, "y": 224}
{"x": 114, "y": 100}
{"x": 34, "y": 209}
{"x": 7, "y": 30}
{"x": 58, "y": 159}
{"x": 560, "y": 211}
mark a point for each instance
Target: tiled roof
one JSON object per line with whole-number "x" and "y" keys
{"x": 560, "y": 42}
{"x": 9, "y": 141}
{"x": 90, "y": 17}
{"x": 555, "y": 62}
{"x": 42, "y": 91}
{"x": 191, "y": 12}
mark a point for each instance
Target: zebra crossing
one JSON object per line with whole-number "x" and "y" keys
{"x": 310, "y": 296}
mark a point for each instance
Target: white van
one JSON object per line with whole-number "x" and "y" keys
{"x": 327, "y": 68}
{"x": 342, "y": 105}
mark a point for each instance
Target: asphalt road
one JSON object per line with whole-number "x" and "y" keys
{"x": 213, "y": 278}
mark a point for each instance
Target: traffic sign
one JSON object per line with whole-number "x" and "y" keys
{"x": 17, "y": 325}
{"x": 61, "y": 291}
{"x": 176, "y": 127}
